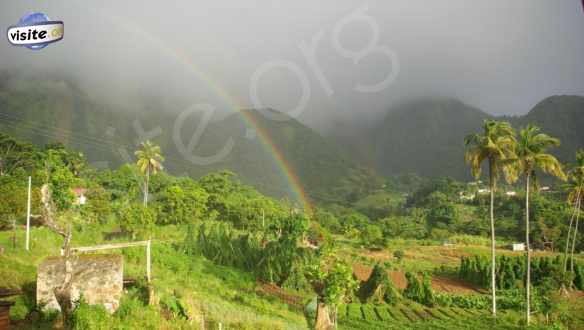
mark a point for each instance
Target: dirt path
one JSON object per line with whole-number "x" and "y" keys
{"x": 439, "y": 283}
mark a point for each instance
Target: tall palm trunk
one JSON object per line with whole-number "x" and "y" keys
{"x": 575, "y": 234}
{"x": 493, "y": 257}
{"x": 146, "y": 183}
{"x": 570, "y": 231}
{"x": 528, "y": 250}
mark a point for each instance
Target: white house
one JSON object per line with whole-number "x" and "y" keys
{"x": 510, "y": 193}
{"x": 518, "y": 246}
{"x": 80, "y": 198}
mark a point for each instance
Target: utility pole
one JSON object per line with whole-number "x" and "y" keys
{"x": 28, "y": 214}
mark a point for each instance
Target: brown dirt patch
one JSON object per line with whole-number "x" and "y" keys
{"x": 439, "y": 283}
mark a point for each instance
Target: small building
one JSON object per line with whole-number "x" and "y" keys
{"x": 465, "y": 197}
{"x": 510, "y": 193}
{"x": 518, "y": 246}
{"x": 80, "y": 196}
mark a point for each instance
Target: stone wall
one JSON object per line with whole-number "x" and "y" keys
{"x": 98, "y": 277}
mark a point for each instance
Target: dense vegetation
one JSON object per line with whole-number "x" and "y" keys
{"x": 245, "y": 239}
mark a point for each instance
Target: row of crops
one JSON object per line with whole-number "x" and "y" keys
{"x": 416, "y": 316}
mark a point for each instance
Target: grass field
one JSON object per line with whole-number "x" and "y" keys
{"x": 235, "y": 299}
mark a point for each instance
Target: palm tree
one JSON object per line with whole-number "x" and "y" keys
{"x": 531, "y": 155}
{"x": 149, "y": 162}
{"x": 496, "y": 145}
{"x": 575, "y": 196}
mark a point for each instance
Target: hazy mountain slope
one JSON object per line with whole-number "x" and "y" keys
{"x": 44, "y": 110}
{"x": 426, "y": 137}
{"x": 562, "y": 117}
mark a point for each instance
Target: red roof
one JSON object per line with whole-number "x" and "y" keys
{"x": 79, "y": 191}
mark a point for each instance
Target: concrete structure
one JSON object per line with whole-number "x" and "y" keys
{"x": 99, "y": 278}
{"x": 518, "y": 246}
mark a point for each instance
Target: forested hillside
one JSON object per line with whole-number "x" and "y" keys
{"x": 426, "y": 137}
{"x": 54, "y": 110}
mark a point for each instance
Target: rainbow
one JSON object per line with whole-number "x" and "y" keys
{"x": 285, "y": 168}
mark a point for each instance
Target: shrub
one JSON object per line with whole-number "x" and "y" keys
{"x": 20, "y": 309}
{"x": 87, "y": 316}
{"x": 378, "y": 288}
{"x": 398, "y": 255}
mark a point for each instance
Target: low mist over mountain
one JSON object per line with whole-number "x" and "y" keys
{"x": 424, "y": 137}
{"x": 427, "y": 137}
{"x": 48, "y": 110}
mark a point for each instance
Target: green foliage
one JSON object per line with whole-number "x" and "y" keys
{"x": 87, "y": 316}
{"x": 378, "y": 288}
{"x": 137, "y": 219}
{"x": 98, "y": 206}
{"x": 273, "y": 259}
{"x": 372, "y": 236}
{"x": 463, "y": 301}
{"x": 510, "y": 272}
{"x": 174, "y": 306}
{"x": 427, "y": 292}
{"x": 417, "y": 291}
{"x": 20, "y": 310}
{"x": 413, "y": 289}
{"x": 14, "y": 196}
{"x": 181, "y": 204}
{"x": 398, "y": 255}
{"x": 331, "y": 278}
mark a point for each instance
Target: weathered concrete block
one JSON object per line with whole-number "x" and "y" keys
{"x": 99, "y": 278}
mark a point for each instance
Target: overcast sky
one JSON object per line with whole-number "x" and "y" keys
{"x": 499, "y": 55}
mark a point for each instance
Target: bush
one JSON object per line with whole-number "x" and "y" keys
{"x": 87, "y": 316}
{"x": 137, "y": 219}
{"x": 378, "y": 288}
{"x": 20, "y": 309}
{"x": 399, "y": 255}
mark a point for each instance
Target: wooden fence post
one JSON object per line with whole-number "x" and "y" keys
{"x": 148, "y": 261}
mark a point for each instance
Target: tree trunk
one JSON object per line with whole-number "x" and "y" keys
{"x": 570, "y": 232}
{"x": 575, "y": 234}
{"x": 146, "y": 182}
{"x": 492, "y": 185}
{"x": 63, "y": 293}
{"x": 528, "y": 251}
{"x": 323, "y": 320}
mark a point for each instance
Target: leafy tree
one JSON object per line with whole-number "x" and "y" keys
{"x": 59, "y": 177}
{"x": 441, "y": 212}
{"x": 372, "y": 235}
{"x": 178, "y": 204}
{"x": 531, "y": 155}
{"x": 98, "y": 206}
{"x": 496, "y": 145}
{"x": 13, "y": 197}
{"x": 14, "y": 154}
{"x": 137, "y": 219}
{"x": 332, "y": 280}
{"x": 149, "y": 162}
